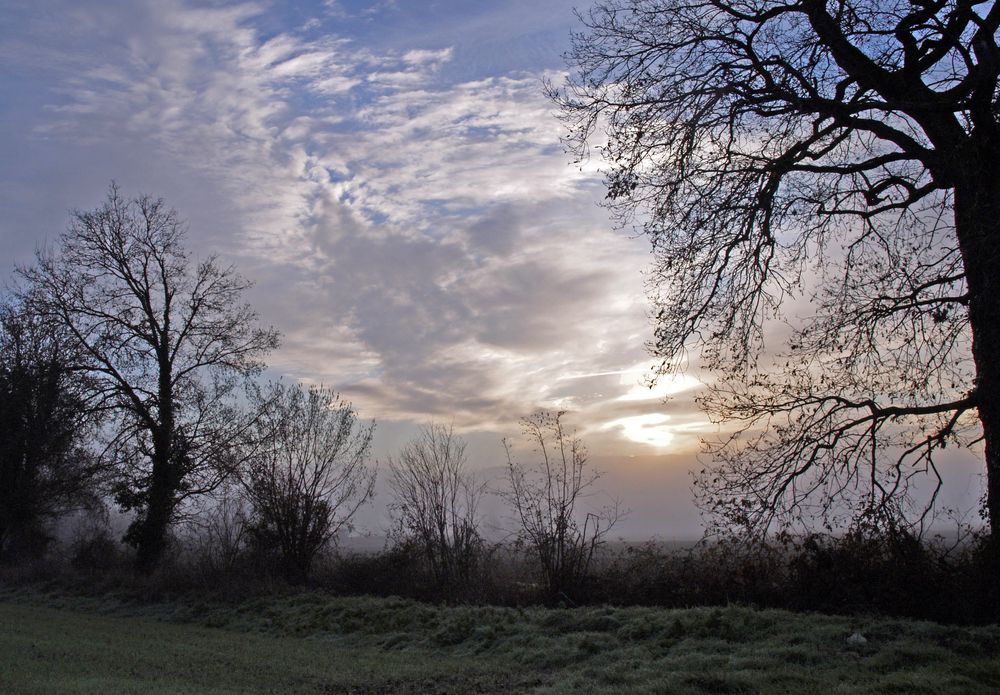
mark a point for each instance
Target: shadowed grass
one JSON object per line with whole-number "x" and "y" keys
{"x": 44, "y": 650}
{"x": 311, "y": 642}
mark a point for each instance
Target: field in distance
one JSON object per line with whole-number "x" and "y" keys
{"x": 315, "y": 643}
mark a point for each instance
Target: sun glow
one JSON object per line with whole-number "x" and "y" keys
{"x": 648, "y": 429}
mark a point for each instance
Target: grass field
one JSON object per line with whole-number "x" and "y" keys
{"x": 313, "y": 643}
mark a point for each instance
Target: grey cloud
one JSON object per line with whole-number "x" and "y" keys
{"x": 397, "y": 292}
{"x": 535, "y": 304}
{"x": 497, "y": 232}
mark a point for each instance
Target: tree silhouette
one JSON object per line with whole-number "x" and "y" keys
{"x": 549, "y": 500}
{"x": 435, "y": 503}
{"x": 837, "y": 151}
{"x": 47, "y": 468}
{"x": 164, "y": 342}
{"x": 308, "y": 473}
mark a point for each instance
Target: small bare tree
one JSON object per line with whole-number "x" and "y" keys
{"x": 309, "y": 475}
{"x": 546, "y": 496}
{"x": 435, "y": 503}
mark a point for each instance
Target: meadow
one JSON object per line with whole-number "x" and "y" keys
{"x": 313, "y": 642}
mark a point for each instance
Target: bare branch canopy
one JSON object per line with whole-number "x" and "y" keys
{"x": 825, "y": 171}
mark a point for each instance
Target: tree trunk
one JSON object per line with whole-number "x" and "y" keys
{"x": 151, "y": 538}
{"x": 152, "y": 533}
{"x": 977, "y": 221}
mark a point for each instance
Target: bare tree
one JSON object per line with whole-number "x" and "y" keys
{"x": 549, "y": 497}
{"x": 842, "y": 151}
{"x": 310, "y": 472}
{"x": 47, "y": 468}
{"x": 164, "y": 343}
{"x": 435, "y": 503}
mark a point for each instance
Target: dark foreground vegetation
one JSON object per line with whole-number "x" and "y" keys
{"x": 313, "y": 642}
{"x": 874, "y": 573}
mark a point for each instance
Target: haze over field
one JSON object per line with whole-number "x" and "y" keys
{"x": 391, "y": 176}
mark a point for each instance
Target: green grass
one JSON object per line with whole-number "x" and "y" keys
{"x": 312, "y": 642}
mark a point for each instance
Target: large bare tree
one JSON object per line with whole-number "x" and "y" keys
{"x": 164, "y": 342}
{"x": 837, "y": 151}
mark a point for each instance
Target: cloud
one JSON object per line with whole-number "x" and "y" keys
{"x": 428, "y": 57}
{"x": 421, "y": 242}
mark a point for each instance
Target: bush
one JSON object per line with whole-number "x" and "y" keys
{"x": 395, "y": 571}
{"x": 94, "y": 549}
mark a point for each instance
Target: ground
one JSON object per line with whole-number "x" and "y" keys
{"x": 315, "y": 643}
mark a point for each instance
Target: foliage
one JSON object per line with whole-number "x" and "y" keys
{"x": 93, "y": 550}
{"x": 46, "y": 467}
{"x": 548, "y": 497}
{"x": 837, "y": 153}
{"x": 867, "y": 571}
{"x": 308, "y": 474}
{"x": 396, "y": 570}
{"x": 435, "y": 501}
{"x": 163, "y": 342}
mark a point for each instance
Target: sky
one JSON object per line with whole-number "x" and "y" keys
{"x": 390, "y": 175}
